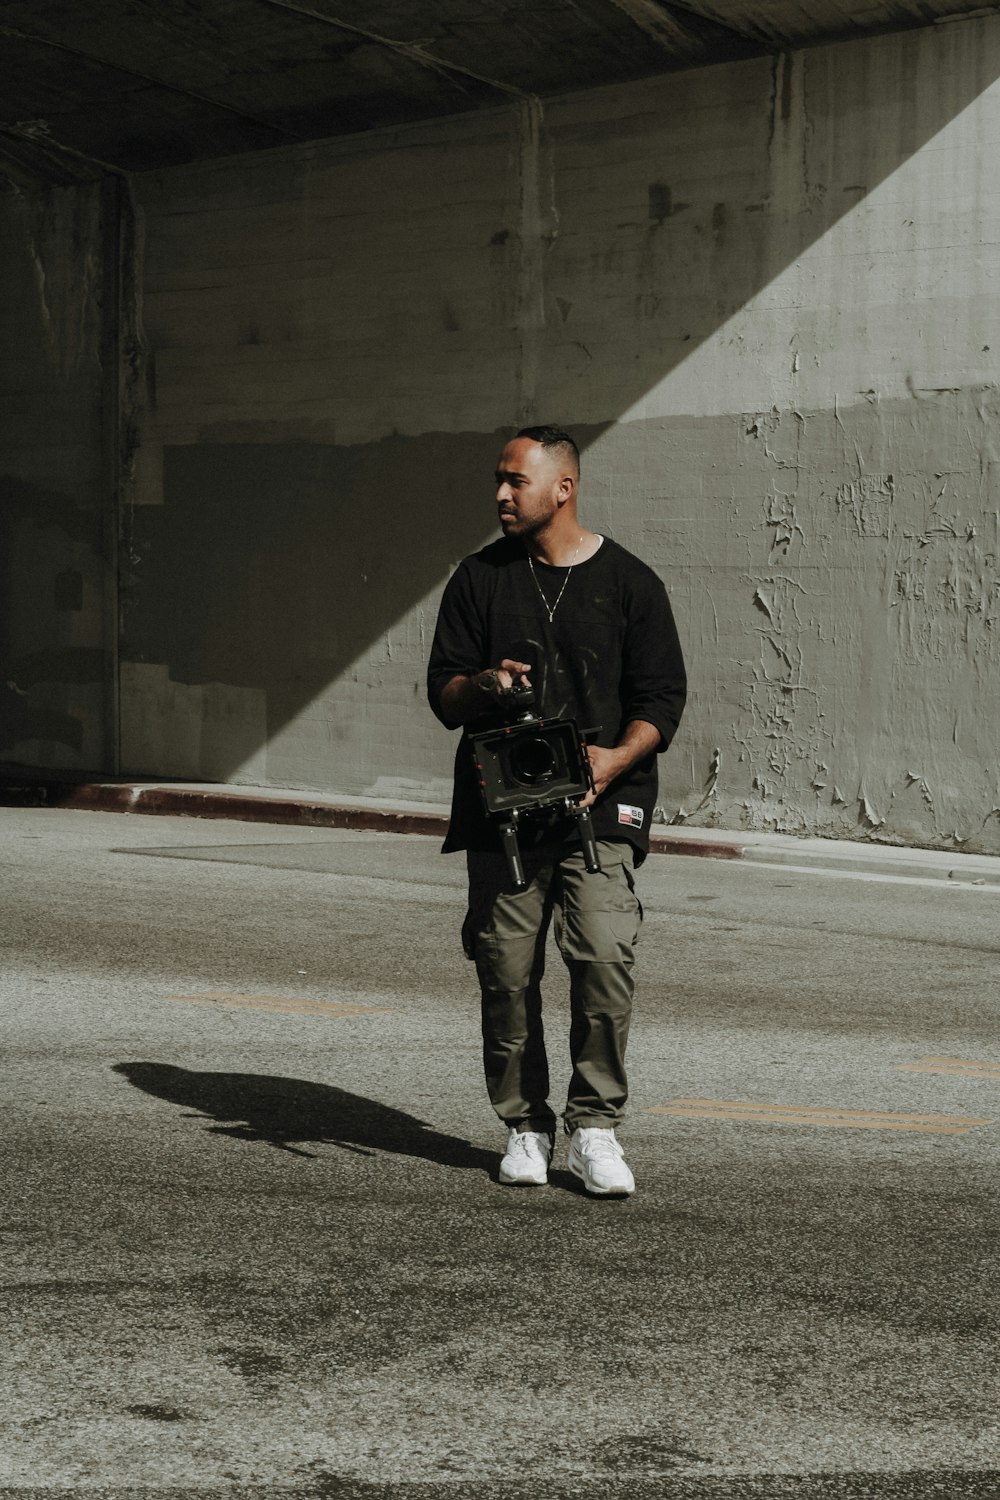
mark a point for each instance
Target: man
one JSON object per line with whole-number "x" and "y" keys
{"x": 589, "y": 627}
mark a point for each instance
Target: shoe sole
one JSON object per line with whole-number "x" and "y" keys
{"x": 596, "y": 1192}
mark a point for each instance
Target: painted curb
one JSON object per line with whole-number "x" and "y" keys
{"x": 665, "y": 843}
{"x": 183, "y": 802}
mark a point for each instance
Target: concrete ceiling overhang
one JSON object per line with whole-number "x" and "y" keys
{"x": 132, "y": 85}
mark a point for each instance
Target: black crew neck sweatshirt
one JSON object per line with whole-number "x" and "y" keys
{"x": 609, "y": 655}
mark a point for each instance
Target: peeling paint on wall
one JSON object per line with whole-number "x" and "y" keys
{"x": 868, "y": 501}
{"x": 862, "y": 642}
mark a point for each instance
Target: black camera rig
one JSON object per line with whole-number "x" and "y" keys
{"x": 529, "y": 766}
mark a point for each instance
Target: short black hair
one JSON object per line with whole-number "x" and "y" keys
{"x": 553, "y": 437}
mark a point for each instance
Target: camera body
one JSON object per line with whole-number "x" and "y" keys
{"x": 530, "y": 765}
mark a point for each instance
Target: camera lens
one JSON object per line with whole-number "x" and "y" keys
{"x": 532, "y": 760}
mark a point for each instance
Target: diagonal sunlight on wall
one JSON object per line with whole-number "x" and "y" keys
{"x": 729, "y": 260}
{"x": 916, "y": 243}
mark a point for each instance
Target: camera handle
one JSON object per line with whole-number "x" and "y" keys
{"x": 512, "y": 849}
{"x": 585, "y": 824}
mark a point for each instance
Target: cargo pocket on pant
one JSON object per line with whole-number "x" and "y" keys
{"x": 599, "y": 916}
{"x": 636, "y": 907}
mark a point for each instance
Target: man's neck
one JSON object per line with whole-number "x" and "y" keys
{"x": 571, "y": 546}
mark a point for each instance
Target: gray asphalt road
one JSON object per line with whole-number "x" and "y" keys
{"x": 253, "y": 1242}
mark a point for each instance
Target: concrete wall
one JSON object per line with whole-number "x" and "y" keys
{"x": 56, "y": 612}
{"x": 767, "y": 298}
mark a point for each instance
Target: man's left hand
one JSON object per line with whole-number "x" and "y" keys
{"x": 605, "y": 765}
{"x": 639, "y": 740}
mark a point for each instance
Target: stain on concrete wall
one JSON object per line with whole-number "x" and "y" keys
{"x": 759, "y": 292}
{"x": 54, "y": 651}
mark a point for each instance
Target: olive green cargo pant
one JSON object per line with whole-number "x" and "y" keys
{"x": 597, "y": 920}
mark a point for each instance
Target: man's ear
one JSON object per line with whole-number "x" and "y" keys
{"x": 565, "y": 489}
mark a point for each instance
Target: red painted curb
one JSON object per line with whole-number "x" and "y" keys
{"x": 662, "y": 843}
{"x": 176, "y": 800}
{"x": 182, "y": 802}
{"x": 90, "y": 798}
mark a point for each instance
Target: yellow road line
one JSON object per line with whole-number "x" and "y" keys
{"x": 279, "y": 1005}
{"x": 804, "y": 1114}
{"x": 952, "y": 1067}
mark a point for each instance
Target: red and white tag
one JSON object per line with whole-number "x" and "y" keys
{"x": 633, "y": 816}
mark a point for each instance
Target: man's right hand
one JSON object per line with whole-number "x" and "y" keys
{"x": 464, "y": 698}
{"x": 496, "y": 681}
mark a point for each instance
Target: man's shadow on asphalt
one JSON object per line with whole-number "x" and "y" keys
{"x": 290, "y": 1112}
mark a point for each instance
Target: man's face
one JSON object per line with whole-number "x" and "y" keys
{"x": 528, "y": 487}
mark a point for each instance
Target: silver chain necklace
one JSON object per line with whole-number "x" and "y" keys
{"x": 551, "y": 612}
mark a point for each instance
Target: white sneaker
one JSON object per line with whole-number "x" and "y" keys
{"x": 596, "y": 1157}
{"x": 526, "y": 1162}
